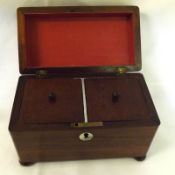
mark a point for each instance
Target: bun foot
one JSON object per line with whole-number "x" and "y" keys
{"x": 140, "y": 158}
{"x": 26, "y": 163}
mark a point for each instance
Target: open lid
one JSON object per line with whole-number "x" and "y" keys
{"x": 79, "y": 40}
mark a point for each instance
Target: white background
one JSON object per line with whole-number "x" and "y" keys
{"x": 158, "y": 59}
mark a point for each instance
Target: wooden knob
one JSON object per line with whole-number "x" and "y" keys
{"x": 115, "y": 97}
{"x": 52, "y": 97}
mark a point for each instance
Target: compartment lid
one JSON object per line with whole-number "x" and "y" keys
{"x": 79, "y": 40}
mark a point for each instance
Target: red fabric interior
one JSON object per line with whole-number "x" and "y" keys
{"x": 76, "y": 40}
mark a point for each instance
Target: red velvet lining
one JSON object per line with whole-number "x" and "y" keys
{"x": 76, "y": 40}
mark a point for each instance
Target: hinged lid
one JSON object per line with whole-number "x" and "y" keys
{"x": 79, "y": 40}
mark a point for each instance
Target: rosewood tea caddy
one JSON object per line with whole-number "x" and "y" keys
{"x": 77, "y": 97}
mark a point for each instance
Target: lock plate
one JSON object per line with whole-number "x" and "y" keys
{"x": 86, "y": 124}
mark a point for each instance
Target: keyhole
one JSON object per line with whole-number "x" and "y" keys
{"x": 86, "y": 135}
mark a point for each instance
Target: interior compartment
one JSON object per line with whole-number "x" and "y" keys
{"x": 132, "y": 104}
{"x": 79, "y": 39}
{"x": 38, "y": 107}
{"x": 132, "y": 101}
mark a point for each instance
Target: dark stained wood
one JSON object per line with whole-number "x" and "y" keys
{"x": 130, "y": 105}
{"x": 26, "y": 163}
{"x": 140, "y": 158}
{"x": 45, "y": 108}
{"x": 51, "y": 141}
{"x": 65, "y": 145}
{"x": 36, "y": 106}
{"x": 18, "y": 124}
{"x": 134, "y": 102}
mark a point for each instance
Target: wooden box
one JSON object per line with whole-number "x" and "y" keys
{"x": 77, "y": 98}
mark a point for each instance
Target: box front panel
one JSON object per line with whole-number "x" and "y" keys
{"x": 66, "y": 144}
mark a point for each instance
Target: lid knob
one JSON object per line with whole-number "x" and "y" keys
{"x": 115, "y": 97}
{"x": 52, "y": 97}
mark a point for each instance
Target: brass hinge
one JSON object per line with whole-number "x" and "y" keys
{"x": 121, "y": 70}
{"x": 41, "y": 73}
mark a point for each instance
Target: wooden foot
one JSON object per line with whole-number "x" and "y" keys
{"x": 26, "y": 163}
{"x": 140, "y": 158}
